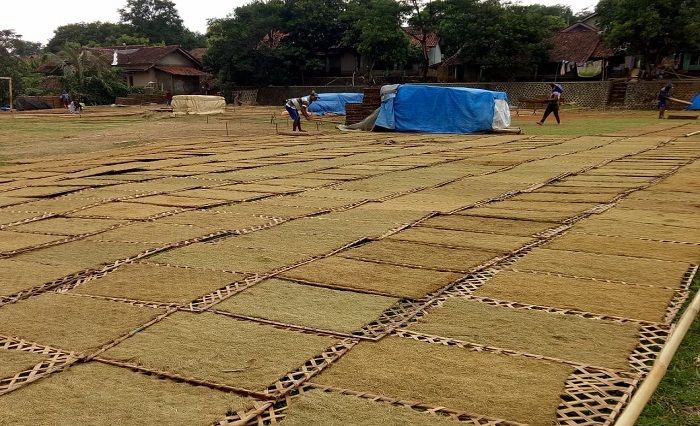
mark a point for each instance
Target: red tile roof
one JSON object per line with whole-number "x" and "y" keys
{"x": 198, "y": 53}
{"x": 415, "y": 36}
{"x": 140, "y": 58}
{"x": 184, "y": 71}
{"x": 577, "y": 46}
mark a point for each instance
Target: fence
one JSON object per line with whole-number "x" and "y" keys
{"x": 586, "y": 94}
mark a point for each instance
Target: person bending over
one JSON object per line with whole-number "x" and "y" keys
{"x": 296, "y": 105}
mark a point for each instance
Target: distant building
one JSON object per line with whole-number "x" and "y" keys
{"x": 165, "y": 68}
{"x": 432, "y": 42}
{"x": 578, "y": 52}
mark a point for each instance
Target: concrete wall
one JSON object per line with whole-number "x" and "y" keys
{"x": 276, "y": 95}
{"x": 643, "y": 94}
{"x": 594, "y": 94}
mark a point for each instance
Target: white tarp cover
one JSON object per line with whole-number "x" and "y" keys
{"x": 198, "y": 104}
{"x": 501, "y": 114}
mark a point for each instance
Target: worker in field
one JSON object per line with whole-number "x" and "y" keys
{"x": 296, "y": 105}
{"x": 65, "y": 99}
{"x": 552, "y": 103}
{"x": 664, "y": 94}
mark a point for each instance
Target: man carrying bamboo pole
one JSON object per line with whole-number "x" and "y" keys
{"x": 664, "y": 95}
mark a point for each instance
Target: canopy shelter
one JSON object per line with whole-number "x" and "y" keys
{"x": 436, "y": 109}
{"x": 198, "y": 104}
{"x": 334, "y": 103}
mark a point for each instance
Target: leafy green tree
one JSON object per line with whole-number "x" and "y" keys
{"x": 312, "y": 28}
{"x": 423, "y": 21}
{"x": 375, "y": 31}
{"x": 501, "y": 40}
{"x": 248, "y": 46}
{"x": 192, "y": 39}
{"x": 158, "y": 20}
{"x": 87, "y": 75}
{"x": 89, "y": 33}
{"x": 651, "y": 28}
{"x": 16, "y": 62}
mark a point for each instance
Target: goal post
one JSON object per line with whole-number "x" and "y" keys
{"x": 9, "y": 83}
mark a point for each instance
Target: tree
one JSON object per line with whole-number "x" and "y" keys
{"x": 87, "y": 75}
{"x": 653, "y": 29}
{"x": 89, "y": 33}
{"x": 423, "y": 22}
{"x": 192, "y": 39}
{"x": 313, "y": 28}
{"x": 502, "y": 41}
{"x": 375, "y": 31}
{"x": 247, "y": 47}
{"x": 15, "y": 62}
{"x": 158, "y": 20}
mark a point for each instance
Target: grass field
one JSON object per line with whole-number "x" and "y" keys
{"x": 205, "y": 268}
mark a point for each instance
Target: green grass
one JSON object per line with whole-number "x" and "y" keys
{"x": 586, "y": 123}
{"x": 677, "y": 399}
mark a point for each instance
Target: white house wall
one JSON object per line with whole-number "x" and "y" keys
{"x": 434, "y": 55}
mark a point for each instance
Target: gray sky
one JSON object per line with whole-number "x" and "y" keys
{"x": 36, "y": 19}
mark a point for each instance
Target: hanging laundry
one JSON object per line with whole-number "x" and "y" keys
{"x": 589, "y": 69}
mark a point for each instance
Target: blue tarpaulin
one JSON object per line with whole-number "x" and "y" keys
{"x": 695, "y": 103}
{"x": 435, "y": 109}
{"x": 334, "y": 103}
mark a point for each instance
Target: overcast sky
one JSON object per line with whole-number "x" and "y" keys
{"x": 35, "y": 20}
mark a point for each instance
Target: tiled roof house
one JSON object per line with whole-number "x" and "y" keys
{"x": 165, "y": 67}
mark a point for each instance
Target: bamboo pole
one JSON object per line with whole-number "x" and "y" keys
{"x": 687, "y": 135}
{"x": 680, "y": 101}
{"x": 639, "y": 400}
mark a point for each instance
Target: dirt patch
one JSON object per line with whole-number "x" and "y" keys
{"x": 652, "y": 272}
{"x": 174, "y": 201}
{"x": 536, "y": 215}
{"x": 153, "y": 232}
{"x": 10, "y": 240}
{"x": 412, "y": 370}
{"x": 17, "y": 275}
{"x": 80, "y": 396}
{"x": 643, "y": 303}
{"x": 13, "y": 362}
{"x": 392, "y": 280}
{"x": 457, "y": 222}
{"x": 225, "y": 258}
{"x": 334, "y": 409}
{"x": 599, "y": 225}
{"x": 117, "y": 210}
{"x": 71, "y": 323}
{"x": 84, "y": 254}
{"x": 66, "y": 226}
{"x": 478, "y": 240}
{"x": 630, "y": 247}
{"x": 600, "y": 343}
{"x": 309, "y": 306}
{"x": 201, "y": 345}
{"x": 421, "y": 255}
{"x": 158, "y": 283}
